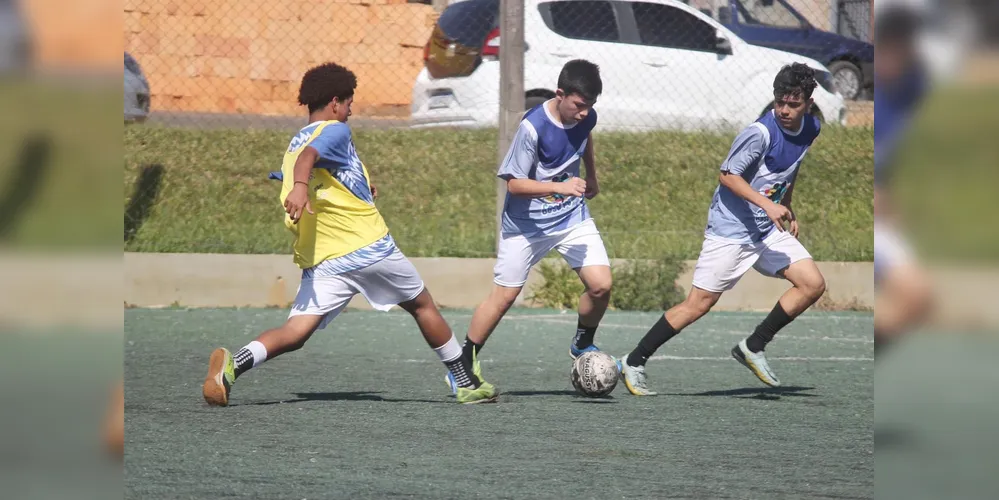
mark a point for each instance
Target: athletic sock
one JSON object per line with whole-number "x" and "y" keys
{"x": 457, "y": 363}
{"x": 469, "y": 347}
{"x": 656, "y": 337}
{"x": 252, "y": 355}
{"x": 584, "y": 336}
{"x": 764, "y": 333}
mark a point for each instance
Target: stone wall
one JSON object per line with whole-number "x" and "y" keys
{"x": 248, "y": 56}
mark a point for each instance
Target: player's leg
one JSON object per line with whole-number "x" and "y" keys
{"x": 584, "y": 251}
{"x": 395, "y": 281}
{"x": 516, "y": 255}
{"x": 319, "y": 301}
{"x": 784, "y": 256}
{"x": 904, "y": 293}
{"x": 719, "y": 267}
{"x": 465, "y": 372}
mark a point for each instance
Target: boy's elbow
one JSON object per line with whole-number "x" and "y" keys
{"x": 513, "y": 187}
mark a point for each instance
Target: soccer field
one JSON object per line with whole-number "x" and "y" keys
{"x": 363, "y": 411}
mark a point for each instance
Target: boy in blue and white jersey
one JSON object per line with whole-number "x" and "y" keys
{"x": 546, "y": 210}
{"x": 746, "y": 230}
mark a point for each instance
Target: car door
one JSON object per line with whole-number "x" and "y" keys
{"x": 586, "y": 29}
{"x": 693, "y": 81}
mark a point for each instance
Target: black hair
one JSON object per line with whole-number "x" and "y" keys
{"x": 795, "y": 79}
{"x": 324, "y": 82}
{"x": 581, "y": 77}
{"x": 897, "y": 24}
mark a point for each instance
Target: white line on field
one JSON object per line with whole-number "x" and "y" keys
{"x": 861, "y": 340}
{"x": 834, "y": 359}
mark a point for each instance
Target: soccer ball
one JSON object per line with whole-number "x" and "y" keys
{"x": 594, "y": 374}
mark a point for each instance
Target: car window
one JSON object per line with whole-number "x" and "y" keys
{"x": 583, "y": 20}
{"x": 766, "y": 13}
{"x": 469, "y": 22}
{"x": 666, "y": 26}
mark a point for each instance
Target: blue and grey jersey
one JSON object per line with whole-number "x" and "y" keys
{"x": 767, "y": 157}
{"x": 545, "y": 150}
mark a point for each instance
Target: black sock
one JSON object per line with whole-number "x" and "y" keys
{"x": 243, "y": 360}
{"x": 469, "y": 346}
{"x": 657, "y": 336}
{"x": 584, "y": 336}
{"x": 764, "y": 333}
{"x": 461, "y": 369}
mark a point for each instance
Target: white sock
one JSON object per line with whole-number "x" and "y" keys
{"x": 450, "y": 351}
{"x": 259, "y": 352}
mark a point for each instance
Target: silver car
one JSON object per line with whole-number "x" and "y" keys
{"x": 136, "y": 91}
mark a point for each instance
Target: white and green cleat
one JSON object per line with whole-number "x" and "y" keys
{"x": 221, "y": 376}
{"x": 756, "y": 362}
{"x": 634, "y": 378}
{"x": 485, "y": 393}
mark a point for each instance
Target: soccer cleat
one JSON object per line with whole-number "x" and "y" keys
{"x": 485, "y": 393}
{"x": 221, "y": 376}
{"x": 756, "y": 362}
{"x": 634, "y": 378}
{"x": 575, "y": 352}
{"x": 451, "y": 383}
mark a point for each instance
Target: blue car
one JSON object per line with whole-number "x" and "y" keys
{"x": 777, "y": 25}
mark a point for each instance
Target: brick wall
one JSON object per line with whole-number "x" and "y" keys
{"x": 248, "y": 56}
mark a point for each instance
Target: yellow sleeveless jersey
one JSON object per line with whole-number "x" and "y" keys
{"x": 345, "y": 218}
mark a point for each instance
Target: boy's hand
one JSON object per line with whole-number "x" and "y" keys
{"x": 374, "y": 191}
{"x": 572, "y": 187}
{"x": 297, "y": 202}
{"x": 592, "y": 188}
{"x": 778, "y": 214}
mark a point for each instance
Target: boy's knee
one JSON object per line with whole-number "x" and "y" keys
{"x": 701, "y": 304}
{"x": 504, "y": 297}
{"x": 600, "y": 290}
{"x": 816, "y": 287}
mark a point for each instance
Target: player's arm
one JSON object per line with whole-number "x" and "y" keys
{"x": 746, "y": 151}
{"x": 592, "y": 186}
{"x": 297, "y": 202}
{"x": 517, "y": 166}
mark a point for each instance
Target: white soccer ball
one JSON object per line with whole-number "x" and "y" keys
{"x": 594, "y": 374}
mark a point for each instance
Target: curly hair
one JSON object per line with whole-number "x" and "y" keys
{"x": 324, "y": 82}
{"x": 795, "y": 79}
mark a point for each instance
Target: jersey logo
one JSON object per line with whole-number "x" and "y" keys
{"x": 557, "y": 198}
{"x": 776, "y": 192}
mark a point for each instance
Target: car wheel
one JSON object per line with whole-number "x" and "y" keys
{"x": 847, "y": 79}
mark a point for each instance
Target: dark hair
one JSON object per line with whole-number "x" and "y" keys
{"x": 582, "y": 77}
{"x": 324, "y": 82}
{"x": 795, "y": 79}
{"x": 897, "y": 24}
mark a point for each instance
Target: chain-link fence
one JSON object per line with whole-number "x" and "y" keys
{"x": 696, "y": 71}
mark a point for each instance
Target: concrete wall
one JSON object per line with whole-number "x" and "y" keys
{"x": 248, "y": 56}
{"x": 210, "y": 280}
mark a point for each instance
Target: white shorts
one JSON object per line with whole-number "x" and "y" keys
{"x": 579, "y": 245}
{"x": 721, "y": 263}
{"x": 890, "y": 250}
{"x": 386, "y": 283}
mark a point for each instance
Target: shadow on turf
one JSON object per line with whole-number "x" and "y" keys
{"x": 340, "y": 396}
{"x": 768, "y": 393}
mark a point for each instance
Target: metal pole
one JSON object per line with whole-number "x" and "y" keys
{"x": 511, "y": 87}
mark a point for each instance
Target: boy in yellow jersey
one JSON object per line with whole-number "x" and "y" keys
{"x": 342, "y": 246}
